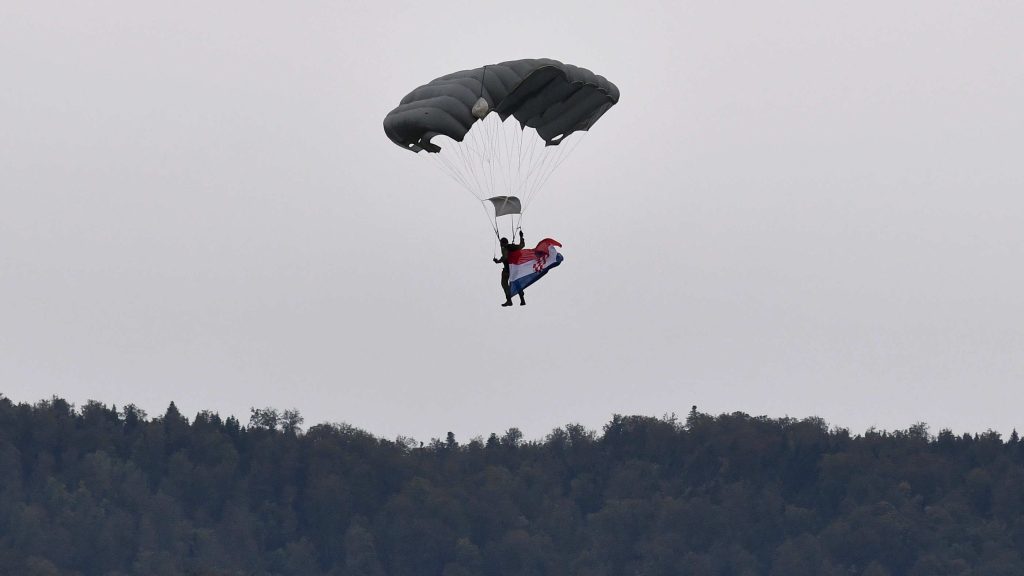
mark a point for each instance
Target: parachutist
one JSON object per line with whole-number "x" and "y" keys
{"x": 506, "y": 248}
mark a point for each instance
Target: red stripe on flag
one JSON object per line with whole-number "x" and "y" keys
{"x": 531, "y": 254}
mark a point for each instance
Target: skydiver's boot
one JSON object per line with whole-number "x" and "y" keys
{"x": 507, "y": 303}
{"x": 522, "y": 298}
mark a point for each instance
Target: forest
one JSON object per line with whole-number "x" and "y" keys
{"x": 98, "y": 490}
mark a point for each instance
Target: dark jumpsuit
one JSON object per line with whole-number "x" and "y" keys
{"x": 505, "y": 273}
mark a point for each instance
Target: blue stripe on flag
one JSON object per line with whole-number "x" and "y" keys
{"x": 520, "y": 284}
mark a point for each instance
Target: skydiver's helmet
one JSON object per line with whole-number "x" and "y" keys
{"x": 504, "y": 241}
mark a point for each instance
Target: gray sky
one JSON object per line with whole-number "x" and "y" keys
{"x": 802, "y": 208}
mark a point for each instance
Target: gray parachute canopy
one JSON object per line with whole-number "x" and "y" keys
{"x": 555, "y": 99}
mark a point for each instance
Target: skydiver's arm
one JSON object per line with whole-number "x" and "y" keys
{"x": 521, "y": 243}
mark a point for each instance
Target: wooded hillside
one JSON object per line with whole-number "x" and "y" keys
{"x": 100, "y": 491}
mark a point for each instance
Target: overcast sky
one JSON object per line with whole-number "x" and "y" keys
{"x": 797, "y": 208}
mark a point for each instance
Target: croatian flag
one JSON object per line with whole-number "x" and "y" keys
{"x": 527, "y": 266}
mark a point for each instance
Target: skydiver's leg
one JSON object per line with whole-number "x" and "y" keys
{"x": 506, "y": 289}
{"x": 522, "y": 298}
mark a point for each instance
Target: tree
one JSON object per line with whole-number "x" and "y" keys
{"x": 360, "y": 553}
{"x": 264, "y": 418}
{"x": 291, "y": 421}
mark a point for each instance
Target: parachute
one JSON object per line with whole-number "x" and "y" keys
{"x": 460, "y": 120}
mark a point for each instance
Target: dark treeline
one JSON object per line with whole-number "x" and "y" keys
{"x": 101, "y": 491}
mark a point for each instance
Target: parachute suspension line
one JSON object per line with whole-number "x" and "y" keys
{"x": 495, "y": 227}
{"x": 503, "y": 158}
{"x": 479, "y": 160}
{"x": 454, "y": 171}
{"x": 519, "y": 156}
{"x": 501, "y": 154}
{"x": 491, "y": 156}
{"x": 452, "y": 162}
{"x": 537, "y": 182}
{"x": 530, "y": 158}
{"x": 483, "y": 204}
{"x": 511, "y": 162}
{"x": 484, "y": 157}
{"x": 563, "y": 155}
{"x": 536, "y": 158}
{"x": 537, "y": 169}
{"x": 462, "y": 156}
{"x": 497, "y": 163}
{"x": 559, "y": 155}
{"x": 498, "y": 155}
{"x": 504, "y": 142}
{"x": 545, "y": 156}
{"x": 470, "y": 165}
{"x": 463, "y": 173}
{"x": 445, "y": 165}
